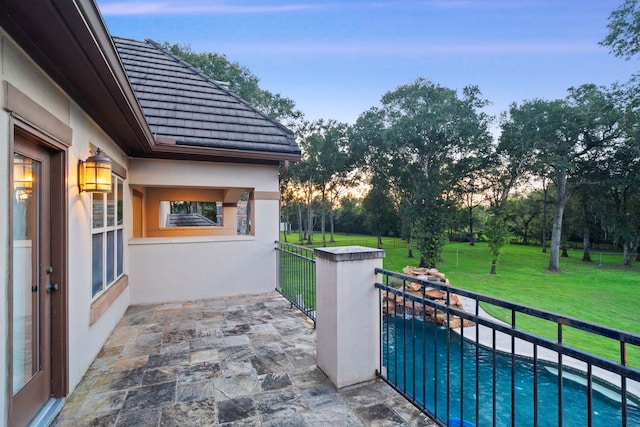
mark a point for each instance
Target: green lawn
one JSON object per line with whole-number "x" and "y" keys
{"x": 607, "y": 295}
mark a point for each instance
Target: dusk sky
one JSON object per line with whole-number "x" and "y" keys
{"x": 336, "y": 59}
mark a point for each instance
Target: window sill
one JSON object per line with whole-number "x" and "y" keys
{"x": 100, "y": 306}
{"x": 188, "y": 239}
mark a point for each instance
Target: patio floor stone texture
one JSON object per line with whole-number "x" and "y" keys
{"x": 248, "y": 361}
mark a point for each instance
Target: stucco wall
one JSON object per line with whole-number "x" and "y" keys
{"x": 89, "y": 338}
{"x": 185, "y": 268}
{"x": 85, "y": 341}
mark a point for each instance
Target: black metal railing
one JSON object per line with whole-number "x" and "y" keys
{"x": 297, "y": 277}
{"x": 441, "y": 351}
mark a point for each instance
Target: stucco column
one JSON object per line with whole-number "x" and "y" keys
{"x": 230, "y": 218}
{"x": 347, "y": 314}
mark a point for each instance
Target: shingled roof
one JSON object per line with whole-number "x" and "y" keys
{"x": 185, "y": 108}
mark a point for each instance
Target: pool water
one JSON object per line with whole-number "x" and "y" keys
{"x": 407, "y": 340}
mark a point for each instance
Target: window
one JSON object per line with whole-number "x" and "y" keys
{"x": 107, "y": 236}
{"x": 176, "y": 213}
{"x": 191, "y": 211}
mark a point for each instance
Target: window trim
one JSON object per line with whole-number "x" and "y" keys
{"x": 104, "y": 300}
{"x": 104, "y": 230}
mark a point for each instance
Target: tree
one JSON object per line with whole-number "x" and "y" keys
{"x": 349, "y": 216}
{"x": 623, "y": 183}
{"x": 468, "y": 191}
{"x": 324, "y": 165}
{"x": 567, "y": 138}
{"x": 545, "y": 210}
{"x": 498, "y": 232}
{"x": 524, "y": 210}
{"x": 503, "y": 177}
{"x": 422, "y": 141}
{"x": 507, "y": 166}
{"x": 380, "y": 213}
{"x": 624, "y": 30}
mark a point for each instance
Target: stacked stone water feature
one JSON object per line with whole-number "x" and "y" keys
{"x": 396, "y": 305}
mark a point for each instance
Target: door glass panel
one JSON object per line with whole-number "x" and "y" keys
{"x": 26, "y": 290}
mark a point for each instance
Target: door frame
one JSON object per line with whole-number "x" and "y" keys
{"x": 59, "y": 348}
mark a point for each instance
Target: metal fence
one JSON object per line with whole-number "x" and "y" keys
{"x": 297, "y": 277}
{"x": 462, "y": 367}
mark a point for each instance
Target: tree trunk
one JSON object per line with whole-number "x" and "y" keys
{"x": 332, "y": 215}
{"x": 309, "y": 224}
{"x": 379, "y": 240}
{"x": 586, "y": 243}
{"x": 556, "y": 235}
{"x": 545, "y": 214}
{"x": 626, "y": 255}
{"x": 471, "y": 237}
{"x": 525, "y": 232}
{"x": 323, "y": 220}
{"x": 300, "y": 225}
{"x": 564, "y": 245}
{"x": 286, "y": 226}
{"x": 310, "y": 215}
{"x": 493, "y": 268}
{"x": 556, "y": 227}
{"x": 410, "y": 244}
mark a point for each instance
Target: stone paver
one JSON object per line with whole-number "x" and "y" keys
{"x": 247, "y": 361}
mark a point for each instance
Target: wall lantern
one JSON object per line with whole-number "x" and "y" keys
{"x": 94, "y": 174}
{"x": 22, "y": 178}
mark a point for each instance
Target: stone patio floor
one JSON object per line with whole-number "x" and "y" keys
{"x": 244, "y": 361}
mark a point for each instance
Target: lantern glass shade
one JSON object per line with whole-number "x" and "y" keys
{"x": 95, "y": 174}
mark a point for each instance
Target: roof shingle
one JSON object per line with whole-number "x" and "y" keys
{"x": 182, "y": 104}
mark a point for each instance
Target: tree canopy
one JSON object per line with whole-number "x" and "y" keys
{"x": 624, "y": 30}
{"x": 422, "y": 140}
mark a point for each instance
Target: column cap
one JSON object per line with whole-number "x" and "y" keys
{"x": 348, "y": 253}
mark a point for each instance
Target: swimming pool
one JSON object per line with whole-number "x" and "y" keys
{"x": 415, "y": 358}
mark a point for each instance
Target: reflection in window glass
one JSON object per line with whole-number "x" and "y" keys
{"x": 96, "y": 262}
{"x": 190, "y": 214}
{"x": 120, "y": 201}
{"x": 97, "y": 209}
{"x": 120, "y": 268}
{"x": 111, "y": 235}
{"x": 111, "y": 205}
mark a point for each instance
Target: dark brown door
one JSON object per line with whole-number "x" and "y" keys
{"x": 31, "y": 285}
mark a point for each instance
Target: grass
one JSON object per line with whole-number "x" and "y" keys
{"x": 608, "y": 295}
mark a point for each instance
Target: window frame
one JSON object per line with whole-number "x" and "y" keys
{"x": 111, "y": 221}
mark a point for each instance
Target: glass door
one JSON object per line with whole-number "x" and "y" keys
{"x": 31, "y": 378}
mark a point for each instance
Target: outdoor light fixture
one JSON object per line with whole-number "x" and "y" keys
{"x": 94, "y": 174}
{"x": 22, "y": 178}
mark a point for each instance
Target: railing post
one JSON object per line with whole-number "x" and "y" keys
{"x": 278, "y": 267}
{"x": 347, "y": 324}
